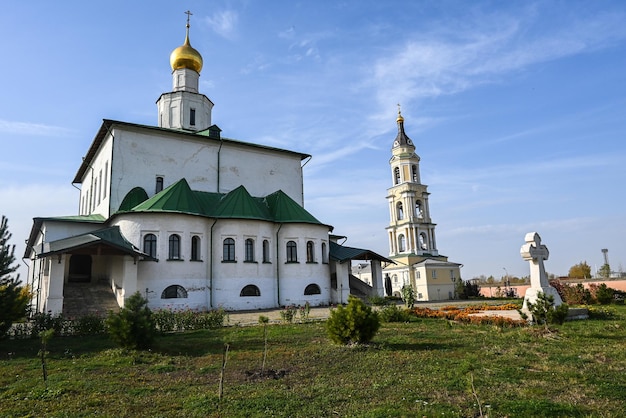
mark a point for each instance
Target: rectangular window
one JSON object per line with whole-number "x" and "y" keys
{"x": 100, "y": 186}
{"x": 159, "y": 184}
{"x": 105, "y": 184}
{"x": 434, "y": 274}
{"x": 418, "y": 274}
{"x": 192, "y": 117}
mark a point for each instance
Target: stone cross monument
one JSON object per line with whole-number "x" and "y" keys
{"x": 535, "y": 253}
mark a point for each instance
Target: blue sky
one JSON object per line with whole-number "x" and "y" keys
{"x": 517, "y": 109}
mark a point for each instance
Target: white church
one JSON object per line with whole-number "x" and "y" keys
{"x": 190, "y": 219}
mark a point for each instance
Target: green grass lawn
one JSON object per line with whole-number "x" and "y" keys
{"x": 429, "y": 367}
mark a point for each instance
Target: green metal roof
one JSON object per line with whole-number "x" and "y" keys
{"x": 104, "y": 241}
{"x": 236, "y": 204}
{"x": 239, "y": 204}
{"x": 342, "y": 254}
{"x": 285, "y": 209}
{"x": 176, "y": 198}
{"x": 133, "y": 198}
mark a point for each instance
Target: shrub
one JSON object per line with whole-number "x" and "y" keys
{"x": 133, "y": 326}
{"x": 41, "y": 322}
{"x": 288, "y": 313}
{"x": 90, "y": 324}
{"x": 544, "y": 312}
{"x": 604, "y": 294}
{"x": 167, "y": 320}
{"x": 377, "y": 300}
{"x": 355, "y": 323}
{"x": 393, "y": 313}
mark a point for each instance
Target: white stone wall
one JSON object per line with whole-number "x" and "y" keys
{"x": 140, "y": 156}
{"x": 279, "y": 283}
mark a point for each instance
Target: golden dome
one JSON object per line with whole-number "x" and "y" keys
{"x": 185, "y": 56}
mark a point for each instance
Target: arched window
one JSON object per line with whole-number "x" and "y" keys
{"x": 266, "y": 251}
{"x": 174, "y": 247}
{"x": 324, "y": 253}
{"x": 396, "y": 175}
{"x": 150, "y": 245}
{"x": 159, "y": 184}
{"x": 418, "y": 209}
{"x": 229, "y": 250}
{"x": 250, "y": 290}
{"x": 249, "y": 256}
{"x": 292, "y": 252}
{"x": 174, "y": 291}
{"x": 310, "y": 252}
{"x": 399, "y": 211}
{"x": 414, "y": 174}
{"x": 395, "y": 278}
{"x": 312, "y": 289}
{"x": 401, "y": 243}
{"x": 195, "y": 248}
{"x": 422, "y": 241}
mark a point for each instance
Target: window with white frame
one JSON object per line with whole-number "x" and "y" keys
{"x": 229, "y": 250}
{"x": 150, "y": 245}
{"x": 195, "y": 248}
{"x": 174, "y": 247}
{"x": 249, "y": 250}
{"x": 310, "y": 252}
{"x": 266, "y": 251}
{"x": 292, "y": 252}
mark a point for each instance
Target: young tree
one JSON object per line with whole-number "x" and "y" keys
{"x": 13, "y": 297}
{"x": 581, "y": 270}
{"x": 605, "y": 271}
{"x": 133, "y": 326}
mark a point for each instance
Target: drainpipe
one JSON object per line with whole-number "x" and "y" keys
{"x": 219, "y": 150}
{"x": 211, "y": 265}
{"x": 302, "y": 177}
{"x": 278, "y": 266}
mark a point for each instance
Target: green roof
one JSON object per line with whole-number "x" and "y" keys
{"x": 342, "y": 254}
{"x": 285, "y": 209}
{"x": 239, "y": 204}
{"x": 105, "y": 241}
{"x": 96, "y": 218}
{"x": 133, "y": 198}
{"x": 176, "y": 198}
{"x": 236, "y": 204}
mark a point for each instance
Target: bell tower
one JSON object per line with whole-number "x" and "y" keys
{"x": 410, "y": 230}
{"x": 184, "y": 107}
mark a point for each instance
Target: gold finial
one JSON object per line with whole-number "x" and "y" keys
{"x": 400, "y": 118}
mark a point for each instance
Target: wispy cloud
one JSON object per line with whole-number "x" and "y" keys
{"x": 224, "y": 23}
{"x": 430, "y": 64}
{"x": 33, "y": 129}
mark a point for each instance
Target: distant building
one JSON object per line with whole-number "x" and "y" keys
{"x": 411, "y": 231}
{"x": 189, "y": 218}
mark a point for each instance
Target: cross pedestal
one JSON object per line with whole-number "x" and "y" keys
{"x": 535, "y": 253}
